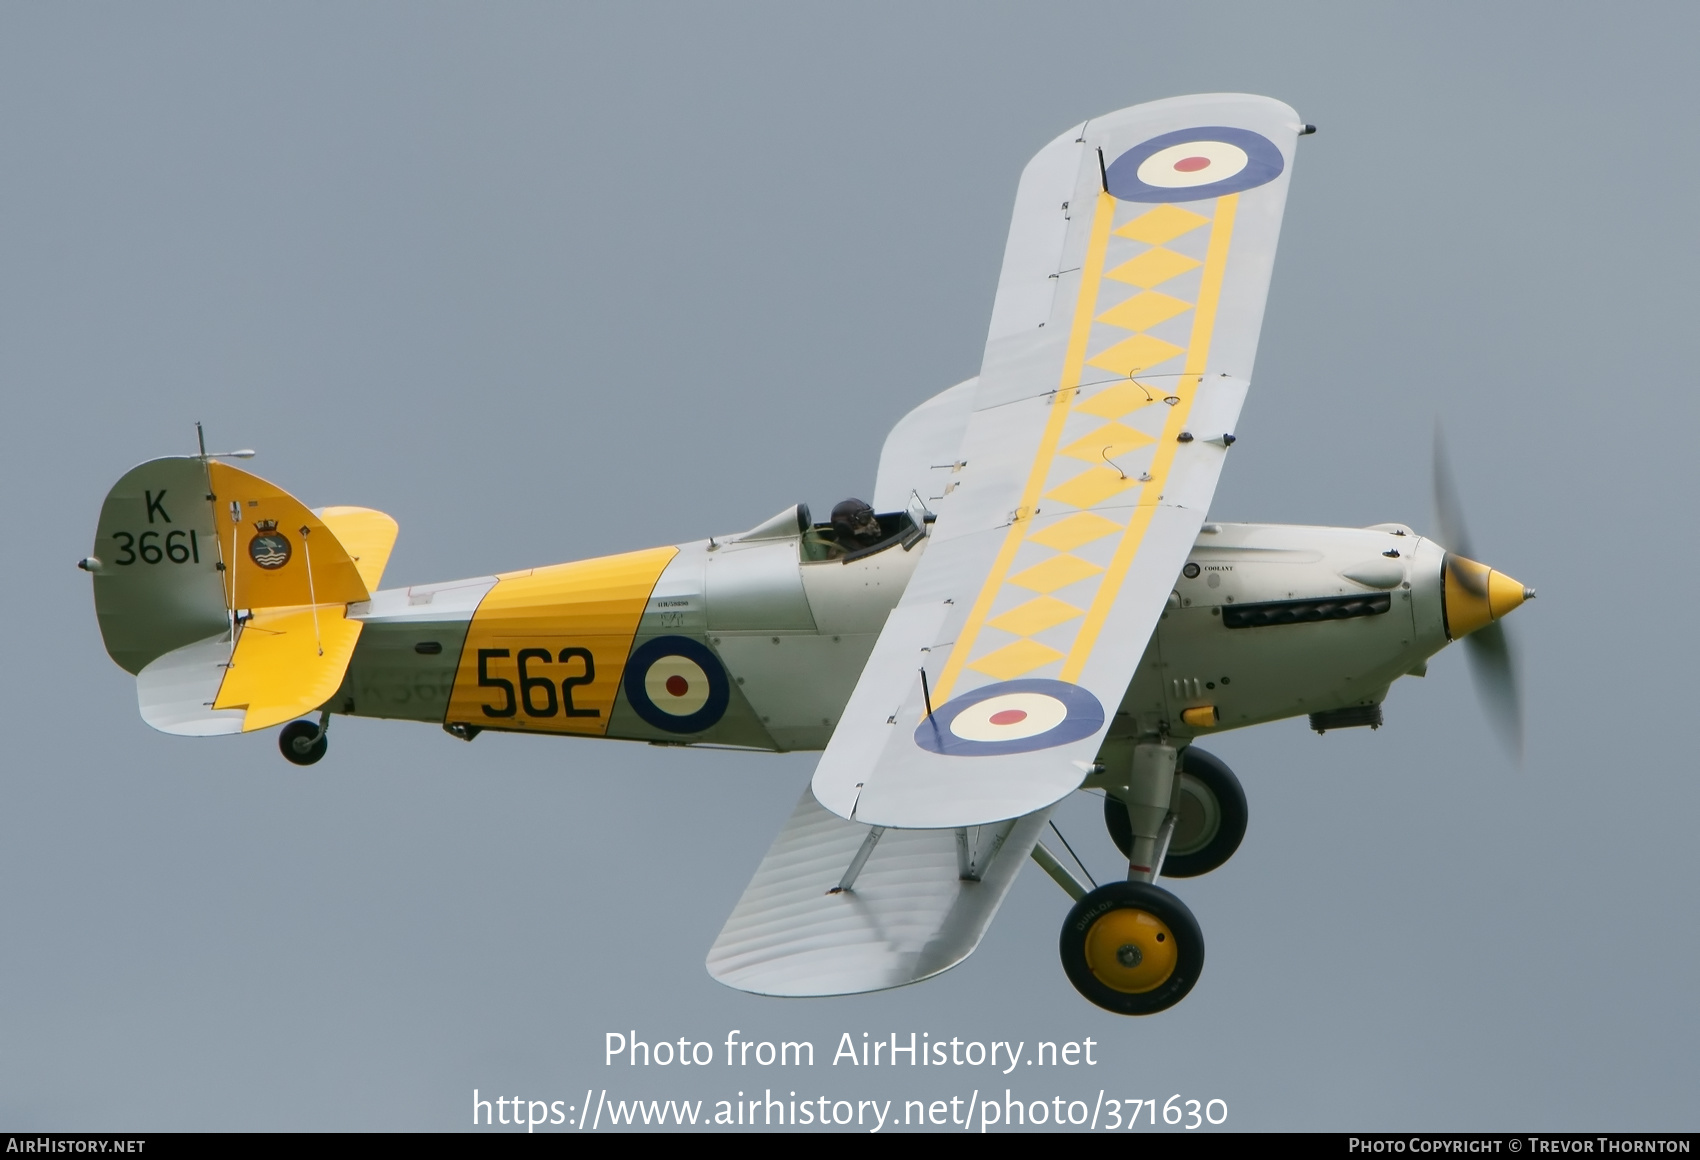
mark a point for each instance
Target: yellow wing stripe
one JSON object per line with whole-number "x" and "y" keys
{"x": 1198, "y": 351}
{"x": 1091, "y": 272}
{"x": 1103, "y": 480}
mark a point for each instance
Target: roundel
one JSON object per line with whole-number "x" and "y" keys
{"x": 1194, "y": 164}
{"x": 677, "y": 684}
{"x": 1011, "y": 717}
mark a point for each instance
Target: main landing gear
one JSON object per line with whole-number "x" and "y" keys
{"x": 303, "y": 742}
{"x": 1210, "y": 816}
{"x": 1132, "y": 947}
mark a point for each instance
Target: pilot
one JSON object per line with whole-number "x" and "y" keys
{"x": 854, "y": 525}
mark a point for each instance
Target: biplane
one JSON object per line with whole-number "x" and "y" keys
{"x": 1034, "y": 603}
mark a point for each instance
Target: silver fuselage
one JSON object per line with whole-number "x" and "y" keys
{"x": 794, "y": 634}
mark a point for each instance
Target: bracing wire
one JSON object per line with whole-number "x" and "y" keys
{"x": 235, "y": 533}
{"x": 1075, "y": 856}
{"x": 311, "y": 596}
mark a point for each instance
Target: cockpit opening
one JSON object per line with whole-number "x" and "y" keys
{"x": 856, "y": 532}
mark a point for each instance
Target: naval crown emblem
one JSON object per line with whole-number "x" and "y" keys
{"x": 269, "y": 549}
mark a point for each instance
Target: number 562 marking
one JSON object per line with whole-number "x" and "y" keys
{"x": 536, "y": 693}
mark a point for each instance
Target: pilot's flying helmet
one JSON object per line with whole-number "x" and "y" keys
{"x": 855, "y": 516}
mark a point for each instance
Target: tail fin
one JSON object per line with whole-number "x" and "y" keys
{"x": 226, "y": 596}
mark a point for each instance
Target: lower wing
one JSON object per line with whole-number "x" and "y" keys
{"x": 917, "y": 903}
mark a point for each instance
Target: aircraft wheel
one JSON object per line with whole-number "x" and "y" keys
{"x": 1132, "y": 948}
{"x": 1212, "y": 811}
{"x": 298, "y": 744}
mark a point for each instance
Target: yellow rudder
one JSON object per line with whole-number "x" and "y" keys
{"x": 297, "y": 571}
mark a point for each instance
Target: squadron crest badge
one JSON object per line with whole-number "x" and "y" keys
{"x": 269, "y": 548}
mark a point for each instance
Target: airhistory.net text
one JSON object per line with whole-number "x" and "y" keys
{"x": 916, "y": 1049}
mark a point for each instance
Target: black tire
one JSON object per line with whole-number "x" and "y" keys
{"x": 297, "y": 744}
{"x": 1132, "y": 948}
{"x": 1212, "y": 823}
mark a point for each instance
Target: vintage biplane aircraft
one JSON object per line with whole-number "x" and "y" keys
{"x": 1035, "y": 605}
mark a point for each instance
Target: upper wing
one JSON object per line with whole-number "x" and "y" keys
{"x": 919, "y": 457}
{"x": 1120, "y": 350}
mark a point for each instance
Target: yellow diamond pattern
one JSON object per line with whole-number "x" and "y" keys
{"x": 1144, "y": 310}
{"x": 1162, "y": 225}
{"x": 1139, "y": 353}
{"x": 1092, "y": 487}
{"x": 1154, "y": 267}
{"x": 1036, "y": 616}
{"x": 1058, "y": 572}
{"x": 1012, "y": 660}
{"x": 1080, "y": 528}
{"x": 1131, "y": 352}
{"x": 1108, "y": 442}
{"x": 1120, "y": 399}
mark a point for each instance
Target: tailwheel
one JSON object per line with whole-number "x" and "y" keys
{"x": 1132, "y": 948}
{"x": 303, "y": 742}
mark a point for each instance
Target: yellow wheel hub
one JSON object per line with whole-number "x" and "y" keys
{"x": 1131, "y": 951}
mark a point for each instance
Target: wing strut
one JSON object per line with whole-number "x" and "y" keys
{"x": 911, "y": 912}
{"x": 970, "y": 867}
{"x": 859, "y": 861}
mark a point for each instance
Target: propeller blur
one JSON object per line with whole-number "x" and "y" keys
{"x": 1480, "y": 591}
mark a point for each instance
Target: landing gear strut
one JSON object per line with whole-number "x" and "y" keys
{"x": 1132, "y": 947}
{"x": 1210, "y": 816}
{"x": 303, "y": 742}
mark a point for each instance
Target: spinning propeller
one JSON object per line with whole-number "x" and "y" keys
{"x": 1476, "y": 597}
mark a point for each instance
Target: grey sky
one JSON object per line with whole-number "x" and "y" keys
{"x": 549, "y": 281}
